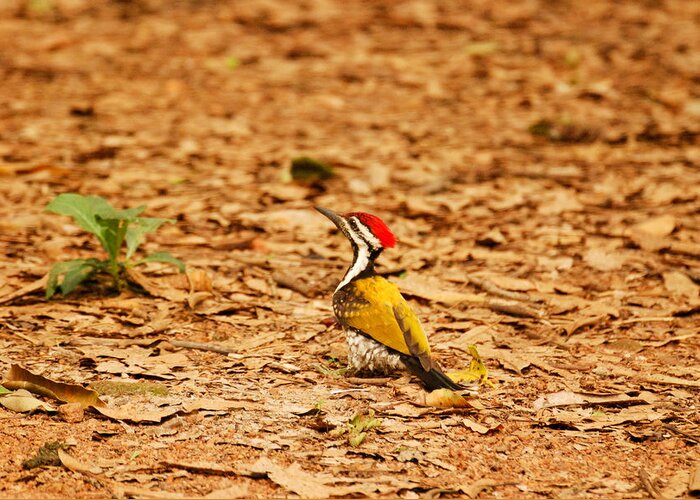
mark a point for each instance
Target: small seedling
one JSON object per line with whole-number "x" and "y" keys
{"x": 357, "y": 428}
{"x": 477, "y": 371}
{"x": 114, "y": 229}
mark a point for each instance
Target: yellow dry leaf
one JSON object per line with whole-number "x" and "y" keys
{"x": 445, "y": 398}
{"x": 477, "y": 371}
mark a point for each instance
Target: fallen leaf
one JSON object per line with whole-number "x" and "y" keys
{"x": 155, "y": 287}
{"x": 445, "y": 398}
{"x": 19, "y": 378}
{"x": 23, "y": 401}
{"x": 70, "y": 462}
{"x": 477, "y": 371}
{"x": 569, "y": 398}
{"x": 240, "y": 490}
{"x": 474, "y": 489}
{"x": 658, "y": 226}
{"x": 694, "y": 483}
{"x": 603, "y": 260}
{"x": 680, "y": 284}
{"x": 136, "y": 414}
{"x": 210, "y": 468}
{"x": 480, "y": 428}
{"x": 434, "y": 290}
{"x": 293, "y": 479}
{"x": 33, "y": 287}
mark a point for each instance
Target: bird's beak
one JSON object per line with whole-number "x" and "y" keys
{"x": 334, "y": 217}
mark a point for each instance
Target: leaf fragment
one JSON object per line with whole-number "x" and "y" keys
{"x": 305, "y": 168}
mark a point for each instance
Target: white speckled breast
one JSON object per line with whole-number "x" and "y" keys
{"x": 367, "y": 355}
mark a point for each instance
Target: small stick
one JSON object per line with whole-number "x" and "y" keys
{"x": 368, "y": 381}
{"x": 492, "y": 288}
{"x": 513, "y": 308}
{"x": 201, "y": 346}
{"x": 643, "y": 320}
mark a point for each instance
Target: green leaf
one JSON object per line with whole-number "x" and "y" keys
{"x": 356, "y": 439}
{"x": 140, "y": 228}
{"x": 111, "y": 236}
{"x": 163, "y": 257}
{"x": 95, "y": 215}
{"x": 74, "y": 272}
{"x": 4, "y": 391}
{"x": 305, "y": 168}
{"x": 83, "y": 209}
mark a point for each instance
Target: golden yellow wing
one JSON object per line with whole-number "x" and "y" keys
{"x": 375, "y": 307}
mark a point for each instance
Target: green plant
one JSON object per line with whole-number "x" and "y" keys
{"x": 114, "y": 229}
{"x": 357, "y": 428}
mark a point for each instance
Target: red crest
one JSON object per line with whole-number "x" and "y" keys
{"x": 378, "y": 228}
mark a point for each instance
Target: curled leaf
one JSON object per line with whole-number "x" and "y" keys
{"x": 477, "y": 371}
{"x": 19, "y": 378}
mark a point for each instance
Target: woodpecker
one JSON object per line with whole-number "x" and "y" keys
{"x": 382, "y": 331}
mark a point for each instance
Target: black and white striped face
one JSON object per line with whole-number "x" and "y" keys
{"x": 359, "y": 234}
{"x": 365, "y": 243}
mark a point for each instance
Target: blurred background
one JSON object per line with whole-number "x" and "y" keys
{"x": 549, "y": 148}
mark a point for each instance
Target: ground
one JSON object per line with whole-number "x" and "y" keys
{"x": 538, "y": 162}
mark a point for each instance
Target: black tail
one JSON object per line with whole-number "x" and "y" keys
{"x": 433, "y": 379}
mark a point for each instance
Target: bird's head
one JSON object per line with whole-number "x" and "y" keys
{"x": 362, "y": 229}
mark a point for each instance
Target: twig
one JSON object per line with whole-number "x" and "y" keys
{"x": 644, "y": 320}
{"x": 201, "y": 346}
{"x": 368, "y": 381}
{"x": 676, "y": 430}
{"x": 513, "y": 308}
{"x": 492, "y": 288}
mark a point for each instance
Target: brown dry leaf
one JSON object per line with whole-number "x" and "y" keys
{"x": 515, "y": 284}
{"x": 124, "y": 491}
{"x": 240, "y": 490}
{"x": 569, "y": 398}
{"x": 214, "y": 405}
{"x": 480, "y": 428}
{"x": 72, "y": 463}
{"x": 694, "y": 483}
{"x": 19, "y": 378}
{"x": 474, "y": 489}
{"x": 294, "y": 479}
{"x": 680, "y": 284}
{"x": 603, "y": 260}
{"x": 137, "y": 414}
{"x": 210, "y": 468}
{"x": 434, "y": 290}
{"x": 626, "y": 415}
{"x": 32, "y": 287}
{"x": 657, "y": 227}
{"x": 405, "y": 410}
{"x": 155, "y": 287}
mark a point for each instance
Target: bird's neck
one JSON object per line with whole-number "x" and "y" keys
{"x": 362, "y": 264}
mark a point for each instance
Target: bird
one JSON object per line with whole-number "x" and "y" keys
{"x": 383, "y": 333}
